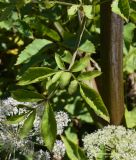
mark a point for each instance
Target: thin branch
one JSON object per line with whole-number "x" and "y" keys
{"x": 62, "y": 3}
{"x": 78, "y": 42}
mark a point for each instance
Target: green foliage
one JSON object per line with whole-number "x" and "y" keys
{"x": 16, "y": 118}
{"x": 81, "y": 64}
{"x": 73, "y": 151}
{"x": 64, "y": 79}
{"x": 59, "y": 61}
{"x": 87, "y": 47}
{"x": 130, "y": 118}
{"x": 88, "y": 75}
{"x": 72, "y": 87}
{"x": 48, "y": 127}
{"x": 95, "y": 102}
{"x": 121, "y": 7}
{"x": 47, "y": 56}
{"x": 35, "y": 74}
{"x": 32, "y": 49}
{"x": 73, "y": 10}
{"x": 130, "y": 60}
{"x": 28, "y": 124}
{"x": 27, "y": 96}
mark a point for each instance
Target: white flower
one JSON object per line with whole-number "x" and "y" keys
{"x": 10, "y": 141}
{"x": 58, "y": 149}
{"x": 42, "y": 155}
{"x": 115, "y": 142}
{"x": 12, "y": 102}
{"x": 37, "y": 122}
{"x": 62, "y": 120}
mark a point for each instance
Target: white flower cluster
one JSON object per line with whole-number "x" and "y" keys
{"x": 9, "y": 137}
{"x": 58, "y": 150}
{"x": 42, "y": 155}
{"x": 8, "y": 107}
{"x": 9, "y": 133}
{"x": 62, "y": 120}
{"x": 10, "y": 141}
{"x": 114, "y": 142}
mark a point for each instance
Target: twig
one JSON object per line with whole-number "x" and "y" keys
{"x": 62, "y": 3}
{"x": 78, "y": 42}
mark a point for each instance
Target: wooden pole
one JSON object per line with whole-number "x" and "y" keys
{"x": 112, "y": 57}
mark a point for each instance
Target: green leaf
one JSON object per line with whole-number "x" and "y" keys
{"x": 121, "y": 7}
{"x": 87, "y": 47}
{"x": 73, "y": 151}
{"x": 64, "y": 79}
{"x": 57, "y": 76}
{"x": 35, "y": 74}
{"x": 124, "y": 7}
{"x": 28, "y": 124}
{"x": 72, "y": 87}
{"x": 88, "y": 75}
{"x": 81, "y": 154}
{"x": 72, "y": 10}
{"x": 130, "y": 118}
{"x": 6, "y": 12}
{"x": 59, "y": 61}
{"x": 67, "y": 57}
{"x": 32, "y": 49}
{"x": 81, "y": 64}
{"x": 129, "y": 32}
{"x": 130, "y": 61}
{"x": 6, "y": 25}
{"x": 15, "y": 119}
{"x": 48, "y": 84}
{"x": 88, "y": 11}
{"x": 71, "y": 134}
{"x": 94, "y": 100}
{"x": 50, "y": 33}
{"x": 48, "y": 127}
{"x": 26, "y": 96}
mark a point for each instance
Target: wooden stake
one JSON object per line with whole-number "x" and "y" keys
{"x": 112, "y": 62}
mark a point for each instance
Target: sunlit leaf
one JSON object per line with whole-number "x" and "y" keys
{"x": 88, "y": 75}
{"x": 130, "y": 118}
{"x": 72, "y": 87}
{"x": 67, "y": 57}
{"x": 59, "y": 61}
{"x": 88, "y": 11}
{"x": 130, "y": 61}
{"x": 94, "y": 100}
{"x": 87, "y": 47}
{"x": 121, "y": 7}
{"x": 64, "y": 79}
{"x": 72, "y": 10}
{"x": 32, "y": 49}
{"x": 57, "y": 76}
{"x": 129, "y": 32}
{"x": 80, "y": 64}
{"x": 35, "y": 74}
